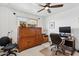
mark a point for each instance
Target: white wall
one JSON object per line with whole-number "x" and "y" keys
{"x": 66, "y": 18}
{"x": 8, "y": 21}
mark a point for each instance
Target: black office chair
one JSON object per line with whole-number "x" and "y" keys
{"x": 56, "y": 40}
{"x": 8, "y": 46}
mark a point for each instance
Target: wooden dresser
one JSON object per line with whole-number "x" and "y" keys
{"x": 29, "y": 37}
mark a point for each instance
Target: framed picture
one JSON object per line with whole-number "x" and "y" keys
{"x": 52, "y": 25}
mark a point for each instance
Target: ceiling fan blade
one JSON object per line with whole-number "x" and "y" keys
{"x": 55, "y": 6}
{"x": 48, "y": 10}
{"x": 41, "y": 9}
{"x": 47, "y": 4}
{"x": 41, "y": 5}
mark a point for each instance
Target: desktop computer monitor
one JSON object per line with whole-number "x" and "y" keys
{"x": 64, "y": 29}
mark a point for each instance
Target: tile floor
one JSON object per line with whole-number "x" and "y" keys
{"x": 35, "y": 51}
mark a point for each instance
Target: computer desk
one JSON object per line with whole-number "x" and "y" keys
{"x": 69, "y": 43}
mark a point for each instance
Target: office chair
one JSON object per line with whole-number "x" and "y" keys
{"x": 58, "y": 42}
{"x": 8, "y": 46}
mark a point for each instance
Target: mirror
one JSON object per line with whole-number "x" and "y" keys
{"x": 28, "y": 22}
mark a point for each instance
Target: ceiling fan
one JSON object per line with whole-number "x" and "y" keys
{"x": 47, "y": 7}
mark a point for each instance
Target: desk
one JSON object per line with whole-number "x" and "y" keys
{"x": 69, "y": 43}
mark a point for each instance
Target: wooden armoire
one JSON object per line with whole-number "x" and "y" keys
{"x": 29, "y": 37}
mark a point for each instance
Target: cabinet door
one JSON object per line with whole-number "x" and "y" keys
{"x": 39, "y": 39}
{"x": 38, "y": 31}
{"x": 31, "y": 42}
{"x": 32, "y": 31}
{"x": 24, "y": 32}
{"x": 22, "y": 44}
{"x": 27, "y": 32}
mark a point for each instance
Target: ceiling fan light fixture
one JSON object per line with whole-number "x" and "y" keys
{"x": 46, "y": 8}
